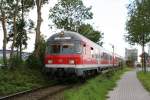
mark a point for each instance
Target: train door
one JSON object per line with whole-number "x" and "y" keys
{"x": 92, "y": 56}
{"x": 84, "y": 49}
{"x": 97, "y": 56}
{"x": 84, "y": 53}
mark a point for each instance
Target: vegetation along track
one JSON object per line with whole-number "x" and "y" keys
{"x": 38, "y": 94}
{"x": 51, "y": 92}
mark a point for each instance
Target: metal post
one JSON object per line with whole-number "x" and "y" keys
{"x": 113, "y": 54}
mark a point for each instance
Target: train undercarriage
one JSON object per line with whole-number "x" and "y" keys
{"x": 75, "y": 72}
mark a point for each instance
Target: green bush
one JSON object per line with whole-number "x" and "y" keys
{"x": 37, "y": 62}
{"x": 21, "y": 78}
{"x": 34, "y": 62}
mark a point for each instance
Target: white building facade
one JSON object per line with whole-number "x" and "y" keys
{"x": 131, "y": 54}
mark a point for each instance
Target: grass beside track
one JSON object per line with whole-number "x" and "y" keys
{"x": 145, "y": 79}
{"x": 96, "y": 88}
{"x": 20, "y": 79}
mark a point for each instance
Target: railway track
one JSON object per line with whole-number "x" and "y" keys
{"x": 37, "y": 94}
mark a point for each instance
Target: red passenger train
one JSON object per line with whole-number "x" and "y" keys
{"x": 70, "y": 53}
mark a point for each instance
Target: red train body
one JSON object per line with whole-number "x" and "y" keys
{"x": 69, "y": 53}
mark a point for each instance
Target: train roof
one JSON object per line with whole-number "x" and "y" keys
{"x": 64, "y": 35}
{"x": 75, "y": 36}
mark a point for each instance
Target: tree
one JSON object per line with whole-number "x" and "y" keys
{"x": 21, "y": 38}
{"x": 18, "y": 27}
{"x": 39, "y": 4}
{"x": 22, "y": 24}
{"x": 3, "y": 21}
{"x": 14, "y": 4}
{"x": 138, "y": 24}
{"x": 69, "y": 14}
{"x": 12, "y": 15}
{"x": 88, "y": 31}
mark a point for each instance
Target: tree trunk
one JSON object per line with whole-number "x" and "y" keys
{"x": 143, "y": 50}
{"x": 14, "y": 32}
{"x": 20, "y": 55}
{"x": 17, "y": 51}
{"x": 39, "y": 21}
{"x": 4, "y": 38}
{"x": 22, "y": 15}
{"x": 14, "y": 37}
{"x": 142, "y": 58}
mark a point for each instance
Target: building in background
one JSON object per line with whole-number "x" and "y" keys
{"x": 7, "y": 54}
{"x": 131, "y": 56}
{"x": 148, "y": 49}
{"x": 25, "y": 55}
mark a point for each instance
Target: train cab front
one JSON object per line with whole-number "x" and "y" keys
{"x": 63, "y": 54}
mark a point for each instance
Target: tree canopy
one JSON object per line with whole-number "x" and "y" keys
{"x": 12, "y": 13}
{"x": 69, "y": 14}
{"x": 88, "y": 31}
{"x": 137, "y": 25}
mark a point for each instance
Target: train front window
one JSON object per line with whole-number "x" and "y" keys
{"x": 64, "y": 48}
{"x": 54, "y": 49}
{"x": 67, "y": 48}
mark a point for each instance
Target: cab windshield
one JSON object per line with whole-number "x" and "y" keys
{"x": 64, "y": 48}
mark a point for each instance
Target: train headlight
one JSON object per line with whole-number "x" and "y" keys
{"x": 71, "y": 61}
{"x": 50, "y": 61}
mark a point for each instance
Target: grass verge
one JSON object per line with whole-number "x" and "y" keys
{"x": 20, "y": 79}
{"x": 96, "y": 88}
{"x": 145, "y": 79}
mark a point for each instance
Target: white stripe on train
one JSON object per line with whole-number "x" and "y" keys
{"x": 79, "y": 66}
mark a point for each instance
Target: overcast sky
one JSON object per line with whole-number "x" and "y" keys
{"x": 109, "y": 17}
